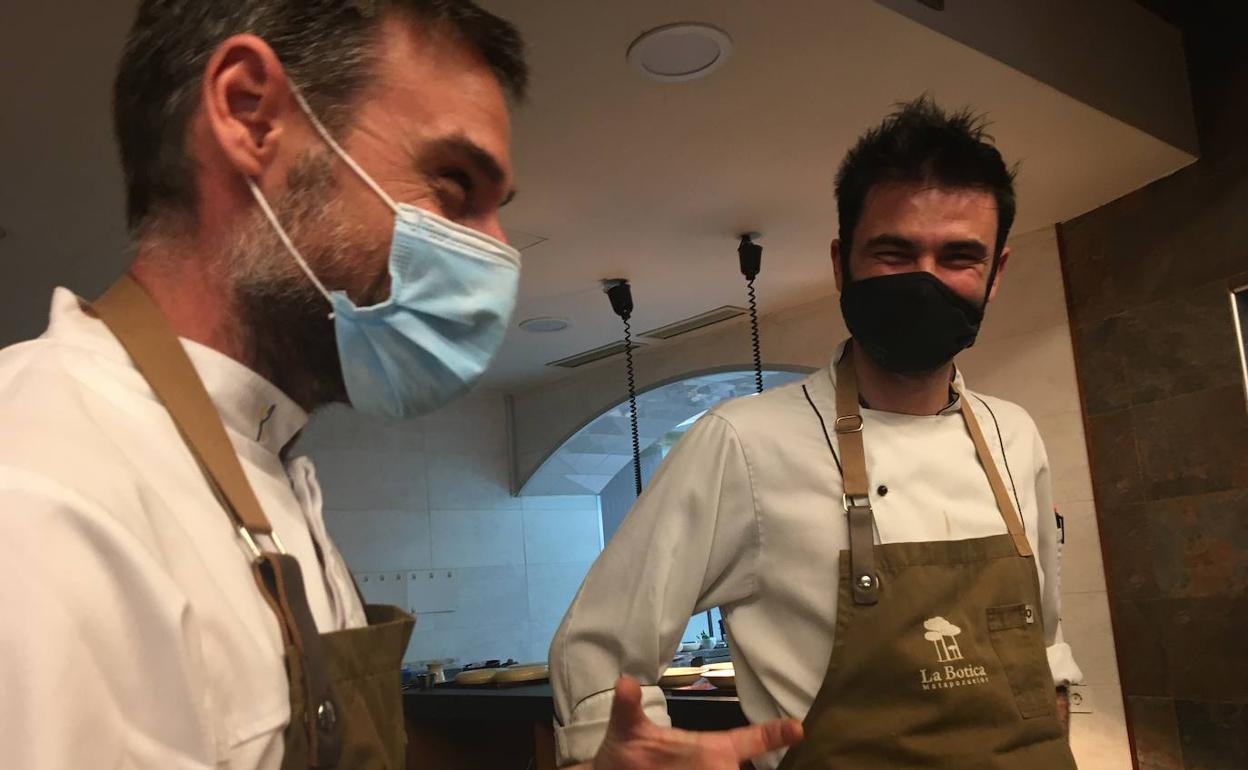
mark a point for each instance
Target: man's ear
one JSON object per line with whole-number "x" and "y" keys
{"x": 835, "y": 252}
{"x": 246, "y": 101}
{"x": 996, "y": 279}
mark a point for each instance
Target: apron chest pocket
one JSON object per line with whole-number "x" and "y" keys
{"x": 1018, "y": 639}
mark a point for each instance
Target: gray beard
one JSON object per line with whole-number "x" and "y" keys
{"x": 289, "y": 340}
{"x": 286, "y": 333}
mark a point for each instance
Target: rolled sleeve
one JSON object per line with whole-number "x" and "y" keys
{"x": 578, "y": 741}
{"x": 1062, "y": 662}
{"x": 1061, "y": 659}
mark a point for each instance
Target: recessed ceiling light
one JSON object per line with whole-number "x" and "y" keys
{"x": 679, "y": 52}
{"x": 543, "y": 324}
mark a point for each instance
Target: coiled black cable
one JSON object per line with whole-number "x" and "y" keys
{"x": 621, "y": 296}
{"x": 750, "y": 255}
{"x": 758, "y": 350}
{"x": 632, "y": 402}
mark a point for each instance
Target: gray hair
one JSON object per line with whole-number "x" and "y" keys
{"x": 325, "y": 45}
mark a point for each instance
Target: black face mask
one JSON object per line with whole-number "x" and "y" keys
{"x": 909, "y": 323}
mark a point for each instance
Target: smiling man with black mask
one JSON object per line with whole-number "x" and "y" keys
{"x": 879, "y": 538}
{"x": 925, "y": 206}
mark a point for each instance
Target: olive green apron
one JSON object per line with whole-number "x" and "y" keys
{"x": 939, "y": 656}
{"x": 345, "y": 706}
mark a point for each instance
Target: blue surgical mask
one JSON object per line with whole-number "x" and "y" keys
{"x": 452, "y": 292}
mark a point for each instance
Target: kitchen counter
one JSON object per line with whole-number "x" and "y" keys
{"x": 481, "y": 728}
{"x": 689, "y": 709}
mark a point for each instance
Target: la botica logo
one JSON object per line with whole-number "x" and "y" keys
{"x": 943, "y": 637}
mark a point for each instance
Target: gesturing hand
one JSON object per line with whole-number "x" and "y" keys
{"x": 633, "y": 742}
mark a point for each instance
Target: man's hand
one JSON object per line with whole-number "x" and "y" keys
{"x": 633, "y": 742}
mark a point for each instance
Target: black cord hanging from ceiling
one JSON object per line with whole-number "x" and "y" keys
{"x": 751, "y": 256}
{"x": 621, "y": 296}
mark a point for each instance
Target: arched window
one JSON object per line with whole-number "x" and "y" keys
{"x": 587, "y": 461}
{"x": 597, "y": 458}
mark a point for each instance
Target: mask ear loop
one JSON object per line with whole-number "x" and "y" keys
{"x": 341, "y": 153}
{"x": 290, "y": 246}
{"x": 347, "y": 159}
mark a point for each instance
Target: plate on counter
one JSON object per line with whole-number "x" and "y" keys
{"x": 680, "y": 676}
{"x": 529, "y": 673}
{"x": 724, "y": 679}
{"x": 477, "y": 676}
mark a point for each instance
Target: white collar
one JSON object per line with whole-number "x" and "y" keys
{"x": 951, "y": 408}
{"x": 249, "y": 405}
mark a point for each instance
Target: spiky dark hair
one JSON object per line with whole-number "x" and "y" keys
{"x": 920, "y": 142}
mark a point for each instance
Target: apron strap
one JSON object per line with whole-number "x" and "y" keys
{"x": 281, "y": 581}
{"x": 864, "y": 583}
{"x": 1013, "y": 524}
{"x": 148, "y": 338}
{"x": 146, "y": 335}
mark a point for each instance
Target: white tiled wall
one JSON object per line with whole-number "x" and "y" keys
{"x": 486, "y": 538}
{"x": 406, "y": 498}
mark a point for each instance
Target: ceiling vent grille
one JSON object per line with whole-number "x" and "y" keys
{"x": 693, "y": 323}
{"x": 590, "y": 356}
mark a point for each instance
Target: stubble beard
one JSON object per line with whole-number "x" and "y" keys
{"x": 286, "y": 333}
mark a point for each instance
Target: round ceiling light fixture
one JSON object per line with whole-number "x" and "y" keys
{"x": 544, "y": 324}
{"x": 678, "y": 52}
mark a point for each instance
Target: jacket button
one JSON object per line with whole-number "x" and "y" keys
{"x": 325, "y": 716}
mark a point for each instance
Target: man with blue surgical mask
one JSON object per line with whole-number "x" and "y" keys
{"x": 313, "y": 194}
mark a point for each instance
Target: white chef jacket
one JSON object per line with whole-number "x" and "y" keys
{"x": 746, "y": 514}
{"x": 134, "y": 635}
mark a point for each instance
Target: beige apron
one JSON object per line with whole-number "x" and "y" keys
{"x": 345, "y": 706}
{"x": 939, "y": 657}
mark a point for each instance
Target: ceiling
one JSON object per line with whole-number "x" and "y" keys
{"x": 618, "y": 176}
